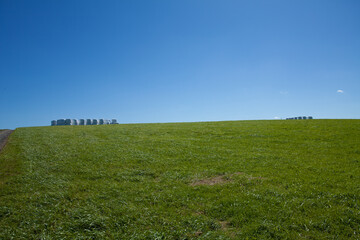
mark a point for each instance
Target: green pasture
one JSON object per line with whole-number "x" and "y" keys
{"x": 294, "y": 179}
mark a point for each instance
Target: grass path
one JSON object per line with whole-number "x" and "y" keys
{"x": 4, "y": 134}
{"x": 215, "y": 180}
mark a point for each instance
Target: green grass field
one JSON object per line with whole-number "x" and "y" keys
{"x": 296, "y": 179}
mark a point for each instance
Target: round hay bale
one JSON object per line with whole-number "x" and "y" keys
{"x": 60, "y": 122}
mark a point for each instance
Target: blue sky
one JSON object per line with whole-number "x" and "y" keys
{"x": 176, "y": 61}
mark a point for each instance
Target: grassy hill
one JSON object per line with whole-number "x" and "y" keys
{"x": 295, "y": 179}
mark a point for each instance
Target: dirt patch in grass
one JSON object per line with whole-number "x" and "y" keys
{"x": 224, "y": 225}
{"x": 210, "y": 181}
{"x": 220, "y": 179}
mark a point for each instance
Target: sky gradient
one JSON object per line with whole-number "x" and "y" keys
{"x": 175, "y": 61}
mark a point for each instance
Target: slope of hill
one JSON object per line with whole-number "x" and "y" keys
{"x": 210, "y": 180}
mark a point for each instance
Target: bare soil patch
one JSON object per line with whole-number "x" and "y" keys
{"x": 221, "y": 179}
{"x": 224, "y": 225}
{"x": 210, "y": 181}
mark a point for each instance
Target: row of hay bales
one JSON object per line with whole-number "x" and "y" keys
{"x": 62, "y": 122}
{"x": 296, "y": 118}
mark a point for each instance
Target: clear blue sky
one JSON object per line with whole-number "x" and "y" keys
{"x": 175, "y": 61}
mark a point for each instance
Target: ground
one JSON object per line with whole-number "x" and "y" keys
{"x": 212, "y": 180}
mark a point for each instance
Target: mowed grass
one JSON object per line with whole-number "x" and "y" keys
{"x": 296, "y": 179}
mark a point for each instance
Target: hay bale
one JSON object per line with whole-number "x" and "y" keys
{"x": 60, "y": 122}
{"x": 82, "y": 122}
{"x": 95, "y": 122}
{"x": 53, "y": 123}
{"x": 101, "y": 121}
